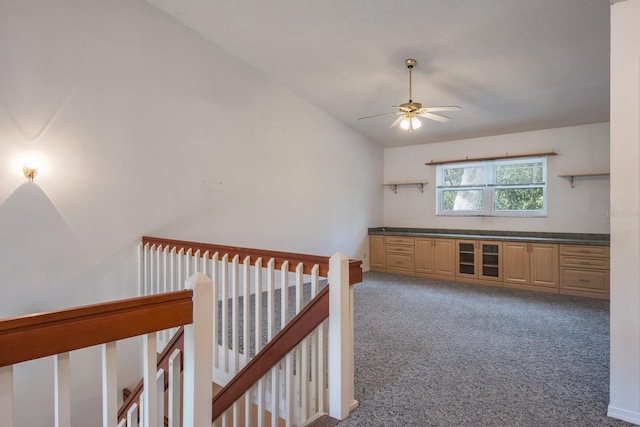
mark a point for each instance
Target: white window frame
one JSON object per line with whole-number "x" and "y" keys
{"x": 489, "y": 188}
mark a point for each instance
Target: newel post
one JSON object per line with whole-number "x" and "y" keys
{"x": 198, "y": 354}
{"x": 340, "y": 338}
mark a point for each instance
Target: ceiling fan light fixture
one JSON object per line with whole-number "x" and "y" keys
{"x": 410, "y": 123}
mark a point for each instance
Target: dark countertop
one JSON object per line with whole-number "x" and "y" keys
{"x": 514, "y": 236}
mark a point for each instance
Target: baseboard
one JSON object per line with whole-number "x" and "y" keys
{"x": 623, "y": 414}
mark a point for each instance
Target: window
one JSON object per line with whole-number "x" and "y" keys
{"x": 515, "y": 187}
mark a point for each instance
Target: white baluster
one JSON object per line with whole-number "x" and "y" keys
{"x": 246, "y": 308}
{"x": 160, "y": 397}
{"x": 141, "y": 413}
{"x": 275, "y": 381}
{"x": 301, "y": 351}
{"x": 109, "y": 384}
{"x": 145, "y": 271}
{"x": 315, "y": 342}
{"x": 173, "y": 269}
{"x": 150, "y": 387}
{"x": 224, "y": 276}
{"x": 284, "y": 294}
{"x": 205, "y": 262}
{"x": 196, "y": 258}
{"x": 158, "y": 281}
{"x": 271, "y": 291}
{"x": 285, "y": 378}
{"x": 165, "y": 269}
{"x": 62, "y": 394}
{"x": 132, "y": 416}
{"x": 258, "y": 338}
{"x": 235, "y": 318}
{"x": 246, "y": 316}
{"x": 180, "y": 270}
{"x": 175, "y": 388}
{"x": 235, "y": 325}
{"x": 215, "y": 270}
{"x": 288, "y": 389}
{"x": 140, "y": 270}
{"x": 198, "y": 346}
{"x": 6, "y": 396}
{"x": 187, "y": 262}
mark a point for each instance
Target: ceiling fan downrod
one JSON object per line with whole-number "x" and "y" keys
{"x": 410, "y": 63}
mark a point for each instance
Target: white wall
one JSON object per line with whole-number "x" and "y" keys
{"x": 145, "y": 128}
{"x": 625, "y": 206}
{"x": 583, "y": 209}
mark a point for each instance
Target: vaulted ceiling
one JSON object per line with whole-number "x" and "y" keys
{"x": 512, "y": 65}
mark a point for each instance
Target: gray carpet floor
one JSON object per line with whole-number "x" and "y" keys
{"x": 437, "y": 353}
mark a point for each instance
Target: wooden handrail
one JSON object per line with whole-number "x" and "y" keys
{"x": 314, "y": 313}
{"x": 177, "y": 342}
{"x": 355, "y": 266}
{"x": 44, "y": 334}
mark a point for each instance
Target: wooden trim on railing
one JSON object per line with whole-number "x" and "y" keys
{"x": 355, "y": 266}
{"x": 38, "y": 335}
{"x": 314, "y": 313}
{"x": 177, "y": 342}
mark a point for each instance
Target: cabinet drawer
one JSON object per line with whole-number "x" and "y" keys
{"x": 583, "y": 280}
{"x": 584, "y": 251}
{"x": 399, "y": 240}
{"x": 591, "y": 263}
{"x": 401, "y": 249}
{"x": 400, "y": 262}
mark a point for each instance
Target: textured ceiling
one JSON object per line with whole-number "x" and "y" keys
{"x": 512, "y": 65}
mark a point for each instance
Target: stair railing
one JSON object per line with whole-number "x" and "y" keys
{"x": 58, "y": 333}
{"x": 279, "y": 285}
{"x": 315, "y": 376}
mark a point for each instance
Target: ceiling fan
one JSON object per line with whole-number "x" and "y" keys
{"x": 410, "y": 111}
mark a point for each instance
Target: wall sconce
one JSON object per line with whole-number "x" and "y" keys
{"x": 30, "y": 171}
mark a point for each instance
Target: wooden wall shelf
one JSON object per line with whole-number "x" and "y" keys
{"x": 571, "y": 176}
{"x": 394, "y": 185}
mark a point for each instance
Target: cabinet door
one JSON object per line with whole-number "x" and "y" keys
{"x": 376, "y": 252}
{"x": 490, "y": 261}
{"x": 466, "y": 258}
{"x": 444, "y": 257}
{"x": 544, "y": 265}
{"x": 424, "y": 252}
{"x": 516, "y": 262}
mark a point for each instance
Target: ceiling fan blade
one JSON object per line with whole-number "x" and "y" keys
{"x": 396, "y": 122}
{"x": 436, "y": 117}
{"x": 377, "y": 115}
{"x": 448, "y": 108}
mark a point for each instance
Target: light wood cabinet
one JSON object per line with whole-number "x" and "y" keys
{"x": 399, "y": 254}
{"x": 376, "y": 253}
{"x": 567, "y": 269}
{"x": 584, "y": 270}
{"x": 466, "y": 259}
{"x": 435, "y": 257}
{"x": 479, "y": 261}
{"x": 531, "y": 266}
